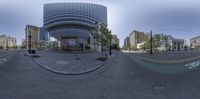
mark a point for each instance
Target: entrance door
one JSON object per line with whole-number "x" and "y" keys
{"x": 69, "y": 43}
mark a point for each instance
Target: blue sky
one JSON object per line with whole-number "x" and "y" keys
{"x": 179, "y": 18}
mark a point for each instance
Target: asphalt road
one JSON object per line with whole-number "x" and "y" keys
{"x": 121, "y": 78}
{"x": 170, "y": 68}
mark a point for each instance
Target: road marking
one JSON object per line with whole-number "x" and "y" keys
{"x": 3, "y": 60}
{"x": 193, "y": 65}
{"x": 159, "y": 87}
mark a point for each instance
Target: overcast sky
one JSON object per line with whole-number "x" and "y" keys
{"x": 179, "y": 18}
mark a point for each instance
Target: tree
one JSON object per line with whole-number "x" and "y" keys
{"x": 106, "y": 37}
{"x": 156, "y": 40}
{"x": 133, "y": 47}
{"x": 146, "y": 44}
{"x": 115, "y": 47}
{"x": 102, "y": 36}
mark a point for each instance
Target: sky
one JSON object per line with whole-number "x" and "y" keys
{"x": 179, "y": 18}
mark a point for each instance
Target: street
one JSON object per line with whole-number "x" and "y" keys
{"x": 121, "y": 78}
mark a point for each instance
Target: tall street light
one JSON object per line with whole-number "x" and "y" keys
{"x": 6, "y": 43}
{"x": 151, "y": 45}
{"x": 29, "y": 43}
{"x": 110, "y": 46}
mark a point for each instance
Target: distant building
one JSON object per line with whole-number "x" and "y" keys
{"x": 126, "y": 43}
{"x": 115, "y": 39}
{"x": 12, "y": 42}
{"x": 43, "y": 34}
{"x": 23, "y": 43}
{"x": 137, "y": 37}
{"x": 43, "y": 38}
{"x": 33, "y": 31}
{"x": 177, "y": 44}
{"x": 3, "y": 42}
{"x": 7, "y": 42}
{"x": 195, "y": 43}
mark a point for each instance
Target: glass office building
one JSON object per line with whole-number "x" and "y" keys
{"x": 72, "y": 23}
{"x": 43, "y": 34}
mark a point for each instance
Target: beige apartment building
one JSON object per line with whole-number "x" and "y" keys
{"x": 137, "y": 38}
{"x": 115, "y": 39}
{"x": 195, "y": 43}
{"x": 7, "y": 42}
{"x": 33, "y": 32}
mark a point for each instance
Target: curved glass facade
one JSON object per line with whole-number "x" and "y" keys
{"x": 71, "y": 23}
{"x": 74, "y": 13}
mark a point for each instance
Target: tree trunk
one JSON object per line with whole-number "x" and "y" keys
{"x": 102, "y": 52}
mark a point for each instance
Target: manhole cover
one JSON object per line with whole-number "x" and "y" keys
{"x": 77, "y": 58}
{"x": 159, "y": 87}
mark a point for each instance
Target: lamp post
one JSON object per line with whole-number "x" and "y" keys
{"x": 6, "y": 43}
{"x": 151, "y": 45}
{"x": 29, "y": 41}
{"x": 110, "y": 46}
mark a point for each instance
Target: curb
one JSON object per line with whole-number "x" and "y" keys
{"x": 167, "y": 62}
{"x": 2, "y": 56}
{"x": 74, "y": 73}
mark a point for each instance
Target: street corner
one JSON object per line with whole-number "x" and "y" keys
{"x": 71, "y": 64}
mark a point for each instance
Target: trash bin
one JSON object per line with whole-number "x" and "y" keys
{"x": 33, "y": 51}
{"x": 29, "y": 51}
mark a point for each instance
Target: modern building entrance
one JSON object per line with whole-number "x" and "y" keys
{"x": 71, "y": 44}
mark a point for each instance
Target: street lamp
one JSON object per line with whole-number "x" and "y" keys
{"x": 29, "y": 41}
{"x": 110, "y": 46}
{"x": 151, "y": 45}
{"x": 6, "y": 43}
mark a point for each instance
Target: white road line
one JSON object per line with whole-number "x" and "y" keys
{"x": 193, "y": 65}
{"x": 3, "y": 60}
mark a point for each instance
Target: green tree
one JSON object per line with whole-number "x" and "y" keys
{"x": 156, "y": 40}
{"x": 146, "y": 44}
{"x": 103, "y": 36}
{"x": 133, "y": 47}
{"x": 115, "y": 47}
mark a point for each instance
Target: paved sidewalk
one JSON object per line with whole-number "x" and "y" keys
{"x": 69, "y": 63}
{"x": 168, "y": 57}
{"x": 4, "y": 53}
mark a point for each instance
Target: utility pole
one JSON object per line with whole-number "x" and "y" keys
{"x": 151, "y": 45}
{"x": 29, "y": 41}
{"x": 110, "y": 46}
{"x": 6, "y": 43}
